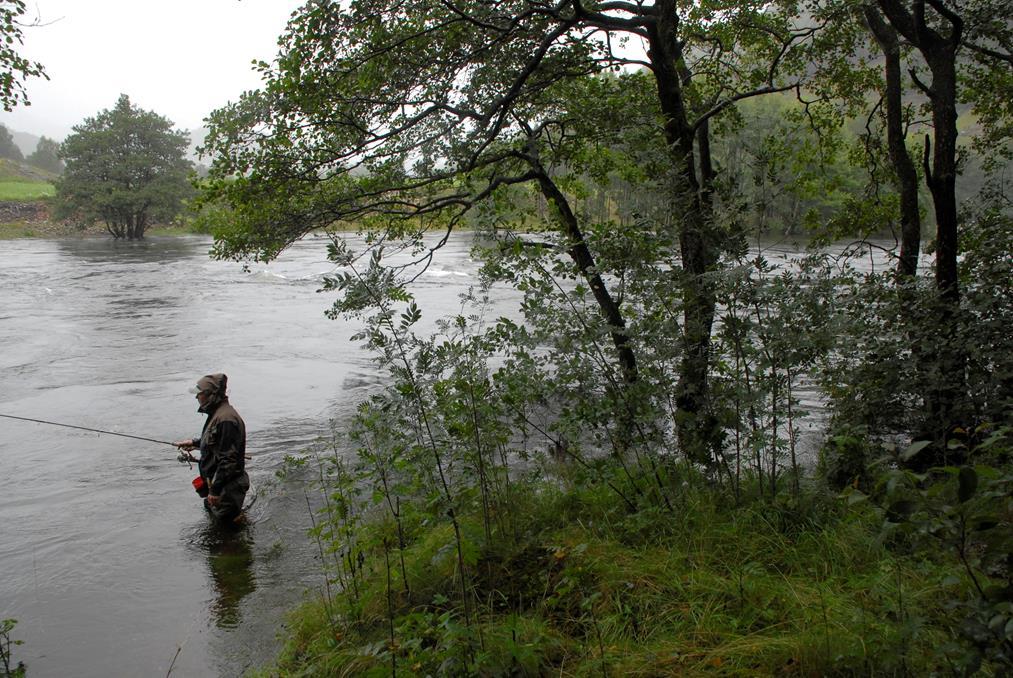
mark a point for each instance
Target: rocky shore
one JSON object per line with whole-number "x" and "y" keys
{"x": 33, "y": 219}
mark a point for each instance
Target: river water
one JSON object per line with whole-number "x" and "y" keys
{"x": 108, "y": 561}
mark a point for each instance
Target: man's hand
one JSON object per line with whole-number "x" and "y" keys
{"x": 213, "y": 500}
{"x": 186, "y": 445}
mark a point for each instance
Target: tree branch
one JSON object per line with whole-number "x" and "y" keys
{"x": 955, "y": 20}
{"x": 718, "y": 108}
{"x": 1002, "y": 56}
{"x": 921, "y": 85}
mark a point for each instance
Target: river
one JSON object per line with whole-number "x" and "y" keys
{"x": 108, "y": 561}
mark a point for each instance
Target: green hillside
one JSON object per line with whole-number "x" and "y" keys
{"x": 19, "y": 181}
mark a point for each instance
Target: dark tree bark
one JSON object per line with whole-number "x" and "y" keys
{"x": 940, "y": 53}
{"x": 939, "y": 49}
{"x": 584, "y": 260}
{"x": 903, "y": 166}
{"x": 699, "y": 252}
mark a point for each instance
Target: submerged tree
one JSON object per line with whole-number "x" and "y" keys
{"x": 125, "y": 167}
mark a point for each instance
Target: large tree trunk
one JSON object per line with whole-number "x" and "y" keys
{"x": 696, "y": 426}
{"x": 949, "y": 354}
{"x": 903, "y": 166}
{"x": 942, "y": 180}
{"x": 115, "y": 228}
{"x": 940, "y": 53}
{"x": 140, "y": 224}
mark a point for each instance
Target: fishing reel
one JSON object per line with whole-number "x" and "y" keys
{"x": 186, "y": 458}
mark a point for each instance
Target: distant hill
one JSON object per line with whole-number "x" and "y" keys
{"x": 27, "y": 142}
{"x": 11, "y": 170}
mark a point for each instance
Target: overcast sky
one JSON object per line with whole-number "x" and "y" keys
{"x": 181, "y": 58}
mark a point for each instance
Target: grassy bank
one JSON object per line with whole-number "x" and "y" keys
{"x": 20, "y": 181}
{"x": 25, "y": 190}
{"x": 570, "y": 583}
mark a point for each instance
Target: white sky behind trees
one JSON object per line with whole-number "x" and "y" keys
{"x": 180, "y": 59}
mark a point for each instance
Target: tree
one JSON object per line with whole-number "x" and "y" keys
{"x": 14, "y": 69}
{"x": 46, "y": 156}
{"x": 904, "y": 168}
{"x": 8, "y": 149}
{"x": 432, "y": 102}
{"x": 938, "y": 31}
{"x": 928, "y": 60}
{"x": 125, "y": 167}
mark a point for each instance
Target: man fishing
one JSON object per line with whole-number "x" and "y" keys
{"x": 223, "y": 481}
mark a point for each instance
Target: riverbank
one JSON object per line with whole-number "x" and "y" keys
{"x": 44, "y": 228}
{"x": 33, "y": 219}
{"x": 56, "y": 230}
{"x": 568, "y": 582}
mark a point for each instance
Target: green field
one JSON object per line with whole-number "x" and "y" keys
{"x": 25, "y": 190}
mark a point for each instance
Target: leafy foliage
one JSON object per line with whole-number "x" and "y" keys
{"x": 577, "y": 584}
{"x": 885, "y": 366}
{"x": 645, "y": 393}
{"x": 46, "y": 156}
{"x": 14, "y": 68}
{"x": 17, "y": 670}
{"x": 964, "y": 511}
{"x": 125, "y": 167}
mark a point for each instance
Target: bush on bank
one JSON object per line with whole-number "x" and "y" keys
{"x": 575, "y": 584}
{"x": 518, "y": 506}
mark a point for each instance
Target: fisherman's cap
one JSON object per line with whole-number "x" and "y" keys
{"x": 214, "y": 383}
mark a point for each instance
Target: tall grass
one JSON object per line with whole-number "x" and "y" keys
{"x": 800, "y": 587}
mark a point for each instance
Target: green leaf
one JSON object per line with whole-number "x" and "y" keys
{"x": 900, "y": 510}
{"x": 913, "y": 449}
{"x": 856, "y": 497}
{"x": 981, "y": 524}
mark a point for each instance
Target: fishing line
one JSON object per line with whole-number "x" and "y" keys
{"x": 85, "y": 428}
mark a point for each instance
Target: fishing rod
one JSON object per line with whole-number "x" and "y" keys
{"x": 184, "y": 455}
{"x": 93, "y": 430}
